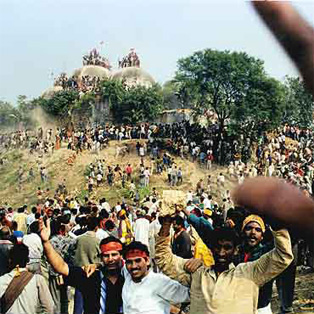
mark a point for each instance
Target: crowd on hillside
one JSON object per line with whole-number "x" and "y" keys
{"x": 82, "y": 231}
{"x": 158, "y": 256}
{"x": 93, "y": 232}
{"x": 291, "y": 160}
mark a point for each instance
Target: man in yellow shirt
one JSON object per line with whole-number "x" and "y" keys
{"x": 223, "y": 287}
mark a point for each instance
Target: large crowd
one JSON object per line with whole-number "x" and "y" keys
{"x": 272, "y": 155}
{"x": 155, "y": 255}
{"x": 88, "y": 232}
{"x": 83, "y": 232}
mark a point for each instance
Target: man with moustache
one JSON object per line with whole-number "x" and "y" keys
{"x": 251, "y": 249}
{"x": 253, "y": 230}
{"x": 102, "y": 290}
{"x": 224, "y": 287}
{"x": 145, "y": 291}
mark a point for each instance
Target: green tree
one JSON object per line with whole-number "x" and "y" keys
{"x": 133, "y": 104}
{"x": 8, "y": 115}
{"x": 171, "y": 95}
{"x": 112, "y": 92}
{"x": 139, "y": 104}
{"x": 233, "y": 84}
{"x": 60, "y": 104}
{"x": 261, "y": 110}
{"x": 299, "y": 103}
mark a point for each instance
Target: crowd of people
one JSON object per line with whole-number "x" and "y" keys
{"x": 94, "y": 58}
{"x": 273, "y": 155}
{"x": 134, "y": 258}
{"x": 80, "y": 231}
{"x": 65, "y": 243}
{"x": 130, "y": 60}
{"x": 83, "y": 84}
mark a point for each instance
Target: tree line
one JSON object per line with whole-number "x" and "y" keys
{"x": 234, "y": 85}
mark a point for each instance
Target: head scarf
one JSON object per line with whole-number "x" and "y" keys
{"x": 110, "y": 246}
{"x": 254, "y": 218}
{"x": 208, "y": 212}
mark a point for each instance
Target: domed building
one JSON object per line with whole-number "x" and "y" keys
{"x": 130, "y": 72}
{"x": 49, "y": 92}
{"x": 133, "y": 76}
{"x": 97, "y": 68}
{"x": 92, "y": 71}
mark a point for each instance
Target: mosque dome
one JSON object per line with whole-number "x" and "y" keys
{"x": 48, "y": 93}
{"x": 92, "y": 71}
{"x": 133, "y": 76}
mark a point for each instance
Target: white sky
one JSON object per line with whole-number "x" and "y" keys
{"x": 43, "y": 36}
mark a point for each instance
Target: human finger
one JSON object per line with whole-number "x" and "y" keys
{"x": 293, "y": 32}
{"x": 278, "y": 200}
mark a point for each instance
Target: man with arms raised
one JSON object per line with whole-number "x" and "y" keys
{"x": 224, "y": 288}
{"x": 102, "y": 290}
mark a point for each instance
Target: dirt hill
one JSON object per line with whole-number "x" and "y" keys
{"x": 16, "y": 194}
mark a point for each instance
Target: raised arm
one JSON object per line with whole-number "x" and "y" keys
{"x": 271, "y": 264}
{"x": 169, "y": 264}
{"x": 294, "y": 33}
{"x": 54, "y": 259}
{"x": 201, "y": 225}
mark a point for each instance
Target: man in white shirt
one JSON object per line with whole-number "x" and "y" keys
{"x": 189, "y": 196}
{"x": 207, "y": 203}
{"x": 36, "y": 250}
{"x": 31, "y": 217}
{"x": 104, "y": 204}
{"x": 141, "y": 228}
{"x": 221, "y": 180}
{"x": 153, "y": 207}
{"x": 145, "y": 291}
{"x": 146, "y": 176}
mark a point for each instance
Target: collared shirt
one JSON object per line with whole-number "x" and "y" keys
{"x": 235, "y": 291}
{"x": 34, "y": 293}
{"x": 65, "y": 246}
{"x": 152, "y": 295}
{"x": 112, "y": 295}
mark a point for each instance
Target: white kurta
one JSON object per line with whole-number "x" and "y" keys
{"x": 141, "y": 230}
{"x": 152, "y": 295}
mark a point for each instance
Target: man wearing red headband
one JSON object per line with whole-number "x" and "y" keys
{"x": 145, "y": 291}
{"x": 102, "y": 290}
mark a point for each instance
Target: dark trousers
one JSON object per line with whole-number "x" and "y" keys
{"x": 78, "y": 302}
{"x": 285, "y": 286}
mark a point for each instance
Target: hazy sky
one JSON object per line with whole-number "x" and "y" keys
{"x": 39, "y": 37}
